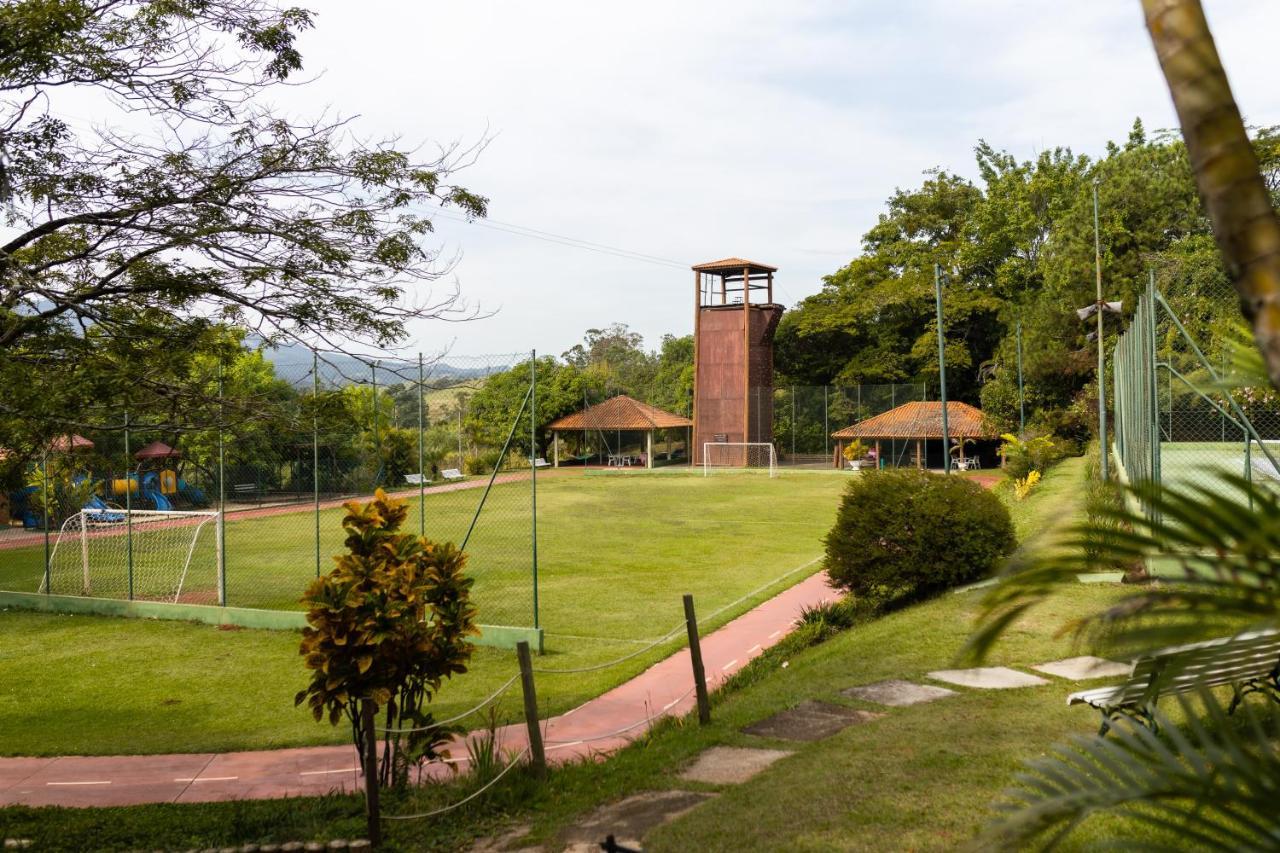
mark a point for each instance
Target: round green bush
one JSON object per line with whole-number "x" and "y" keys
{"x": 904, "y": 535}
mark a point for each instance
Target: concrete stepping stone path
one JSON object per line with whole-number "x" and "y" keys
{"x": 897, "y": 693}
{"x": 809, "y": 721}
{"x": 629, "y": 820}
{"x": 731, "y": 765}
{"x": 987, "y": 678}
{"x": 1085, "y": 667}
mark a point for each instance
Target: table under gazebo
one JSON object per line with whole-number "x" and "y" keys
{"x": 620, "y": 414}
{"x": 917, "y": 427}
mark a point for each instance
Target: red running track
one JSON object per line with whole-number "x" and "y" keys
{"x": 591, "y": 729}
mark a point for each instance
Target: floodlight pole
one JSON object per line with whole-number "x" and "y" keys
{"x": 315, "y": 451}
{"x": 1102, "y": 365}
{"x": 942, "y": 370}
{"x": 533, "y": 473}
{"x": 422, "y": 483}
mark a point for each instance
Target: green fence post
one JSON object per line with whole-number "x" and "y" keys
{"x": 44, "y": 517}
{"x": 315, "y": 450}
{"x": 533, "y": 469}
{"x": 128, "y": 506}
{"x": 826, "y": 425}
{"x": 222, "y": 490}
{"x": 942, "y": 371}
{"x": 1102, "y": 365}
{"x": 422, "y": 483}
{"x": 377, "y": 438}
{"x": 1022, "y": 405}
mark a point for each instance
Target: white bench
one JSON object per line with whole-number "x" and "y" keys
{"x": 1249, "y": 663}
{"x": 452, "y": 474}
{"x": 416, "y": 480}
{"x": 540, "y": 462}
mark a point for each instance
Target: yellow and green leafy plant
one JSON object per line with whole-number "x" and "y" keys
{"x": 389, "y": 623}
{"x": 1023, "y": 487}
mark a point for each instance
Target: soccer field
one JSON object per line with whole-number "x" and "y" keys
{"x": 616, "y": 551}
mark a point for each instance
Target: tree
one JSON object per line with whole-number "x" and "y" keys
{"x": 202, "y": 205}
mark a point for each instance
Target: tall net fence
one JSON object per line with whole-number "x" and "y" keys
{"x": 1177, "y": 422}
{"x": 806, "y": 418}
{"x": 236, "y": 498}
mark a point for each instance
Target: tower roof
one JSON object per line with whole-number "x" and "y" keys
{"x": 733, "y": 265}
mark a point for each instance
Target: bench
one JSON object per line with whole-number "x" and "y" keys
{"x": 1249, "y": 663}
{"x": 540, "y": 462}
{"x": 246, "y": 490}
{"x": 452, "y": 474}
{"x": 416, "y": 480}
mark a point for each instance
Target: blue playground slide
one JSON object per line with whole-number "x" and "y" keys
{"x": 192, "y": 494}
{"x": 151, "y": 491}
{"x": 22, "y": 507}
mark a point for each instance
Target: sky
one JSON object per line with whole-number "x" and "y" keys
{"x": 691, "y": 131}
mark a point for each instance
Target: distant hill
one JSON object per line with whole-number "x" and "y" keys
{"x": 292, "y": 362}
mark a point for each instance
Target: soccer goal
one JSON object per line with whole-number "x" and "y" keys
{"x": 138, "y": 554}
{"x": 739, "y": 454}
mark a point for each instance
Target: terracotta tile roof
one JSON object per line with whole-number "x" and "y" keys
{"x": 621, "y": 412}
{"x": 733, "y": 265}
{"x": 921, "y": 420}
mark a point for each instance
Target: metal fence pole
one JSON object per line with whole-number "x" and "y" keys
{"x": 44, "y": 516}
{"x": 377, "y": 438}
{"x": 422, "y": 482}
{"x": 793, "y": 423}
{"x": 826, "y": 425}
{"x": 128, "y": 506}
{"x": 315, "y": 451}
{"x": 942, "y": 371}
{"x": 1022, "y": 404}
{"x": 1102, "y": 358}
{"x": 533, "y": 472}
{"x": 222, "y": 491}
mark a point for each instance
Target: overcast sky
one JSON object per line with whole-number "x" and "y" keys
{"x": 691, "y": 131}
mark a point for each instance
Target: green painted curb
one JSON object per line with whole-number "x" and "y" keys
{"x": 499, "y": 636}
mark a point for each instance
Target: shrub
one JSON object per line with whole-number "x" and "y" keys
{"x": 903, "y": 535}
{"x": 389, "y": 623}
{"x": 1023, "y": 487}
{"x": 1036, "y": 453}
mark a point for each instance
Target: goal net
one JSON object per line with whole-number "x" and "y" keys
{"x": 739, "y": 454}
{"x": 140, "y": 554}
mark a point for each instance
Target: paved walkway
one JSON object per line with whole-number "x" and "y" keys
{"x": 595, "y": 727}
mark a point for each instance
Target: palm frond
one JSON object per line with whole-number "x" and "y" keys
{"x": 1213, "y": 785}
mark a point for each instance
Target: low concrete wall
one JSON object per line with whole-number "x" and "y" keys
{"x": 244, "y": 617}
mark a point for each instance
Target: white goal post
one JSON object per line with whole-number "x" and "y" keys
{"x": 154, "y": 555}
{"x": 739, "y": 454}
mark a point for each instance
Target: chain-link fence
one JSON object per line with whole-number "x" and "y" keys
{"x": 805, "y": 418}
{"x": 1177, "y": 421}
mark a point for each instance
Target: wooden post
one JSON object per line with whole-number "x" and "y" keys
{"x": 555, "y": 449}
{"x": 695, "y": 657}
{"x": 770, "y": 288}
{"x": 372, "y": 811}
{"x": 648, "y": 449}
{"x": 919, "y": 456}
{"x": 537, "y": 757}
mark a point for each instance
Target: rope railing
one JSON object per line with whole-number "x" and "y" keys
{"x": 648, "y": 718}
{"x": 606, "y": 665}
{"x": 490, "y": 698}
{"x": 465, "y": 799}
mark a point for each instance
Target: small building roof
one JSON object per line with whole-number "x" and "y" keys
{"x": 157, "y": 450}
{"x": 621, "y": 412}
{"x": 63, "y": 443}
{"x": 733, "y": 265}
{"x": 921, "y": 420}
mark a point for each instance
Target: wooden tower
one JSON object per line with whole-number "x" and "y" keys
{"x": 734, "y": 321}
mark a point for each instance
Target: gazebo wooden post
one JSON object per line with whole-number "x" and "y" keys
{"x": 555, "y": 448}
{"x": 919, "y": 459}
{"x": 648, "y": 448}
{"x": 879, "y": 465}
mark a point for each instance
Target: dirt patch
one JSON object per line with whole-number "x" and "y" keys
{"x": 897, "y": 693}
{"x": 809, "y": 721}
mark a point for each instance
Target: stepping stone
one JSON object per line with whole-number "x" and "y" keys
{"x": 1084, "y": 668}
{"x": 987, "y": 677}
{"x": 897, "y": 693}
{"x": 810, "y": 720}
{"x": 630, "y": 820}
{"x": 731, "y": 765}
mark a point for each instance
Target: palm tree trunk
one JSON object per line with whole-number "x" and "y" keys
{"x": 1225, "y": 165}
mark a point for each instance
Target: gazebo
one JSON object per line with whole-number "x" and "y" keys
{"x": 618, "y": 414}
{"x": 914, "y": 426}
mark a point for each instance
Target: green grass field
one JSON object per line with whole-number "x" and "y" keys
{"x": 616, "y": 553}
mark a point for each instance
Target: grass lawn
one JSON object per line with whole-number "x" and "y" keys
{"x": 921, "y": 777}
{"x": 616, "y": 553}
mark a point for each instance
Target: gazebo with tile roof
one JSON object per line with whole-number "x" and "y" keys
{"x": 618, "y": 414}
{"x": 918, "y": 422}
